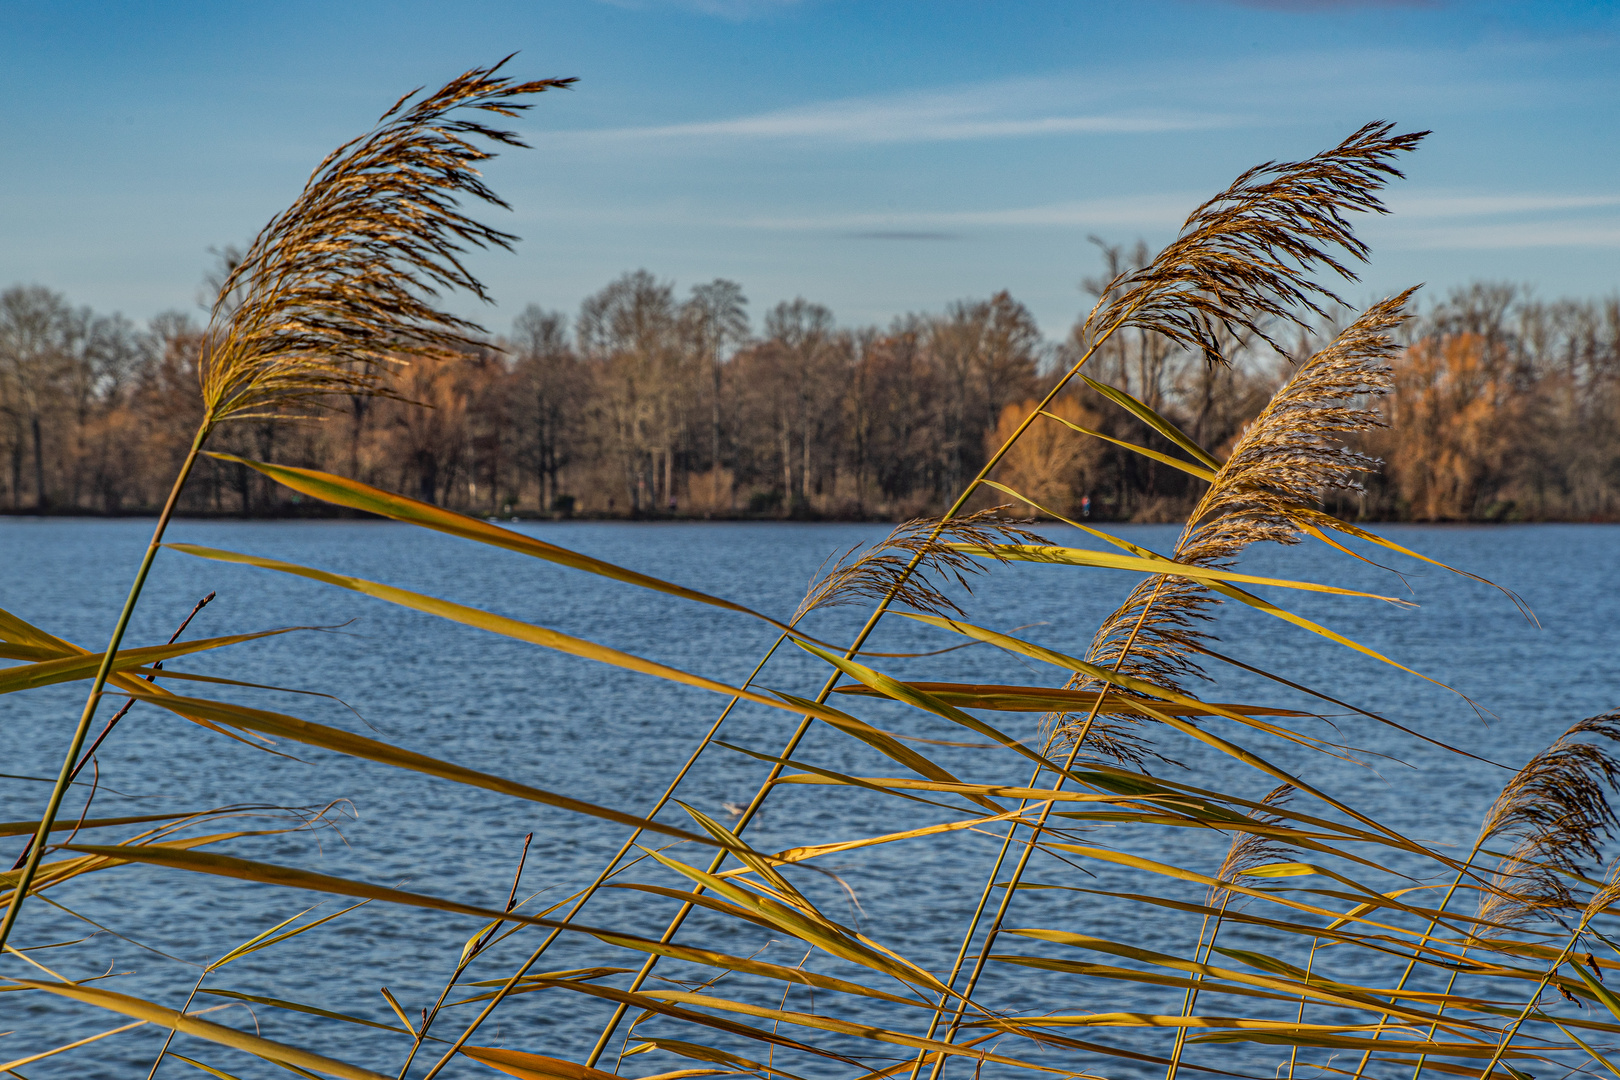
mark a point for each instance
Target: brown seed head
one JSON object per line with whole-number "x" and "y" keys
{"x": 1556, "y": 811}
{"x": 345, "y": 282}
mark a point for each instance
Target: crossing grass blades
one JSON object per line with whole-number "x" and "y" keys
{"x": 1382, "y": 954}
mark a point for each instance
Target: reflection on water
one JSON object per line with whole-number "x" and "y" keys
{"x": 570, "y": 726}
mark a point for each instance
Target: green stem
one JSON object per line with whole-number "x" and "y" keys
{"x": 65, "y": 776}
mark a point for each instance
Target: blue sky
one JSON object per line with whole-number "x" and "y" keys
{"x": 878, "y": 157}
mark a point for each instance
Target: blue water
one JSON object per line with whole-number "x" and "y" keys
{"x": 599, "y": 734}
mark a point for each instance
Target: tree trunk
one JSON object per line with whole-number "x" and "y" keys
{"x": 787, "y": 469}
{"x": 41, "y": 501}
{"x": 714, "y": 431}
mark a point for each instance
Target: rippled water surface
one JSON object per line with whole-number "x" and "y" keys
{"x": 591, "y": 732}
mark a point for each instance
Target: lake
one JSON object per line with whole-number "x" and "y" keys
{"x": 600, "y": 734}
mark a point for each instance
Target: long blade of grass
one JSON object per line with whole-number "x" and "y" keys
{"x": 528, "y": 1066}
{"x": 1153, "y": 420}
{"x": 17, "y": 1063}
{"x": 202, "y": 1029}
{"x": 341, "y": 491}
{"x": 779, "y": 972}
{"x": 848, "y": 1027}
{"x": 19, "y": 828}
{"x": 1138, "y": 564}
{"x": 1005, "y": 698}
{"x": 886, "y": 744}
{"x": 84, "y": 666}
{"x": 910, "y": 694}
{"x": 1199, "y": 471}
{"x": 508, "y": 627}
{"x": 343, "y": 742}
{"x": 710, "y": 1054}
{"x": 812, "y": 928}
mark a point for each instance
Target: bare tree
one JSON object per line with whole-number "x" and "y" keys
{"x": 34, "y": 366}
{"x": 553, "y": 384}
{"x": 717, "y": 318}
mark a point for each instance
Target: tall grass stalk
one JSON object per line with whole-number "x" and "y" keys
{"x": 854, "y": 649}
{"x": 98, "y": 685}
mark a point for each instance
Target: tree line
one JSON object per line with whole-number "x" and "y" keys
{"x": 649, "y": 403}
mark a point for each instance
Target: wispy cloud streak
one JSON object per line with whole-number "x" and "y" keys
{"x": 1009, "y": 109}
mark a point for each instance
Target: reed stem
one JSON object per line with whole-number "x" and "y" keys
{"x": 607, "y": 871}
{"x": 64, "y": 778}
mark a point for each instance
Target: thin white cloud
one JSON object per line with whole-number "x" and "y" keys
{"x": 1440, "y": 220}
{"x": 1141, "y": 211}
{"x": 1168, "y": 210}
{"x": 1545, "y": 219}
{"x": 900, "y": 124}
{"x": 1018, "y": 108}
{"x": 1439, "y": 204}
{"x": 1527, "y": 234}
{"x": 1142, "y": 98}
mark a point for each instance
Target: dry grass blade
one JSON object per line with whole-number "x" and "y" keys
{"x": 886, "y": 569}
{"x": 280, "y": 1053}
{"x": 1247, "y": 255}
{"x": 344, "y": 281}
{"x": 1557, "y": 811}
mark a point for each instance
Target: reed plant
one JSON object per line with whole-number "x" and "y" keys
{"x": 1354, "y": 960}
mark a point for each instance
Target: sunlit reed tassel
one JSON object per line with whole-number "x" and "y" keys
{"x": 1557, "y": 810}
{"x": 1287, "y": 455}
{"x": 334, "y": 290}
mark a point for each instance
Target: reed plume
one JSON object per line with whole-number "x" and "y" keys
{"x": 344, "y": 282}
{"x": 339, "y": 285}
{"x": 1245, "y": 258}
{"x": 1277, "y": 468}
{"x": 1248, "y": 255}
{"x": 887, "y": 569}
{"x": 1556, "y": 811}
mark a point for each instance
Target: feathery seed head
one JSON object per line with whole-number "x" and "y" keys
{"x": 345, "y": 282}
{"x": 1556, "y": 811}
{"x": 879, "y": 569}
{"x": 1247, "y": 256}
{"x": 1251, "y": 849}
{"x": 1276, "y": 471}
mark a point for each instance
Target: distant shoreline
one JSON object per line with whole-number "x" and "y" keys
{"x": 340, "y": 514}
